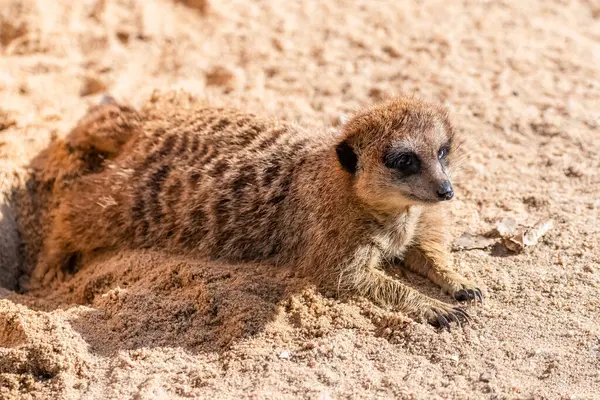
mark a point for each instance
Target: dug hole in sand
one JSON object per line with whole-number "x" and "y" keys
{"x": 521, "y": 79}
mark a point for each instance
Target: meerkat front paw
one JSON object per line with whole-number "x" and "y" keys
{"x": 464, "y": 290}
{"x": 469, "y": 294}
{"x": 42, "y": 275}
{"x": 442, "y": 315}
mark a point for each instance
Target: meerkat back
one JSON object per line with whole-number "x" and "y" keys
{"x": 212, "y": 181}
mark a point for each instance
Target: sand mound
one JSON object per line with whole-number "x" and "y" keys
{"x": 520, "y": 77}
{"x": 40, "y": 353}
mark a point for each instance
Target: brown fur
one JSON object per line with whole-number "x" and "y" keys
{"x": 233, "y": 186}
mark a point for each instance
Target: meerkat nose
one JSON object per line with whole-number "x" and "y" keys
{"x": 445, "y": 191}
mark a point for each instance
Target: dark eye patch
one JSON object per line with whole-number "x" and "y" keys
{"x": 408, "y": 163}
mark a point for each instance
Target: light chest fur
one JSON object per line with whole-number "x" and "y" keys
{"x": 397, "y": 234}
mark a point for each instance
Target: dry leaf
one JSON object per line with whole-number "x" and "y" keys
{"x": 514, "y": 243}
{"x": 469, "y": 241}
{"x": 533, "y": 235}
{"x": 528, "y": 237}
{"x": 507, "y": 227}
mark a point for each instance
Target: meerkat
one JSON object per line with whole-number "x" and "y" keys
{"x": 230, "y": 185}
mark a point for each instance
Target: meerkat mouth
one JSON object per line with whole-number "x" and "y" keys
{"x": 424, "y": 200}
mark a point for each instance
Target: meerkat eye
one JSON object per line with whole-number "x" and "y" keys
{"x": 444, "y": 152}
{"x": 406, "y": 163}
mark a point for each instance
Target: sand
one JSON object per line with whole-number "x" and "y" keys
{"x": 521, "y": 78}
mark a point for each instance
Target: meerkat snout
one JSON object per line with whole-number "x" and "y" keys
{"x": 418, "y": 176}
{"x": 445, "y": 191}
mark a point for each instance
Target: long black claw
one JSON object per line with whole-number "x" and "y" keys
{"x": 460, "y": 313}
{"x": 461, "y": 295}
{"x": 442, "y": 321}
{"x": 454, "y": 318}
{"x": 479, "y": 296}
{"x": 469, "y": 294}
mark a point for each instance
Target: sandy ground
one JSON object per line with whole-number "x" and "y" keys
{"x": 522, "y": 78}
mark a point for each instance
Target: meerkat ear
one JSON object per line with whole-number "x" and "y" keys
{"x": 347, "y": 157}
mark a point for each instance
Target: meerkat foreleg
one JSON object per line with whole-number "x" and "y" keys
{"x": 51, "y": 259}
{"x": 362, "y": 275}
{"x": 78, "y": 226}
{"x": 432, "y": 260}
{"x": 430, "y": 256}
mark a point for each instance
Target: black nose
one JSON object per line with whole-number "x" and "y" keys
{"x": 445, "y": 191}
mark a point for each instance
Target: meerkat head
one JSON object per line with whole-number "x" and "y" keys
{"x": 400, "y": 152}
